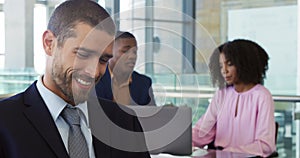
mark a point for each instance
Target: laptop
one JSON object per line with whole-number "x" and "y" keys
{"x": 168, "y": 129}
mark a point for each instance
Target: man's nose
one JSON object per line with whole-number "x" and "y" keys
{"x": 92, "y": 67}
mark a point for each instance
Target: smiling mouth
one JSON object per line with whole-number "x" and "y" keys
{"x": 84, "y": 81}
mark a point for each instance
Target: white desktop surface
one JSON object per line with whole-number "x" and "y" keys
{"x": 203, "y": 153}
{"x": 198, "y": 152}
{"x": 168, "y": 156}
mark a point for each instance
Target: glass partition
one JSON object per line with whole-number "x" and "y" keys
{"x": 13, "y": 81}
{"x": 2, "y": 40}
{"x": 286, "y": 138}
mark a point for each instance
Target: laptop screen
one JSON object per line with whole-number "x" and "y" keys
{"x": 168, "y": 129}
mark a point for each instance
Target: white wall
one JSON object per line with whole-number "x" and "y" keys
{"x": 275, "y": 29}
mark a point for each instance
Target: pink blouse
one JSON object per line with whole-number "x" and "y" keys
{"x": 249, "y": 130}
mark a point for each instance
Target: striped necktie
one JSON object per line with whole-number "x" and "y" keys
{"x": 76, "y": 142}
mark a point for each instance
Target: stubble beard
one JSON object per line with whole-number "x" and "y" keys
{"x": 63, "y": 80}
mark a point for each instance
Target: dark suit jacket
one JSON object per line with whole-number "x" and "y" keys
{"x": 27, "y": 129}
{"x": 140, "y": 88}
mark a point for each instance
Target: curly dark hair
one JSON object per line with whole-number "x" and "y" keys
{"x": 249, "y": 58}
{"x": 71, "y": 12}
{"x": 214, "y": 67}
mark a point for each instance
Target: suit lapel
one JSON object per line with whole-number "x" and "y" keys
{"x": 135, "y": 89}
{"x": 107, "y": 79}
{"x": 38, "y": 114}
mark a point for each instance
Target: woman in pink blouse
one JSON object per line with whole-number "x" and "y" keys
{"x": 240, "y": 117}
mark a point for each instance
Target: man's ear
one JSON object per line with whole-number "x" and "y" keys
{"x": 48, "y": 42}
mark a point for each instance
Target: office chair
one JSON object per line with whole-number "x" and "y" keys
{"x": 275, "y": 153}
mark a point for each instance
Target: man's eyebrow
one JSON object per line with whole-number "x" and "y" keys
{"x": 127, "y": 46}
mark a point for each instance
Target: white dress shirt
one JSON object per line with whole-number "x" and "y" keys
{"x": 55, "y": 105}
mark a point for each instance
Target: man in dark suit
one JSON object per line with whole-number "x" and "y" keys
{"x": 78, "y": 45}
{"x": 120, "y": 83}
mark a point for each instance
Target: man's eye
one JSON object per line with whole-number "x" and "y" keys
{"x": 82, "y": 55}
{"x": 103, "y": 60}
{"x": 124, "y": 51}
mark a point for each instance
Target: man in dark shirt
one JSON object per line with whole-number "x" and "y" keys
{"x": 120, "y": 82}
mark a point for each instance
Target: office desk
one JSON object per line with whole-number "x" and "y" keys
{"x": 201, "y": 153}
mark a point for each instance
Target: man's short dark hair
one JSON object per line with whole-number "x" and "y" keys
{"x": 123, "y": 34}
{"x": 71, "y": 12}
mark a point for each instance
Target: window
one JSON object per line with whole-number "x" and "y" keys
{"x": 39, "y": 26}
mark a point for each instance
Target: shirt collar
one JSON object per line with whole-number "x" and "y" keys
{"x": 55, "y": 104}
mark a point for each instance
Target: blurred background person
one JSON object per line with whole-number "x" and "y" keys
{"x": 240, "y": 117}
{"x": 120, "y": 82}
